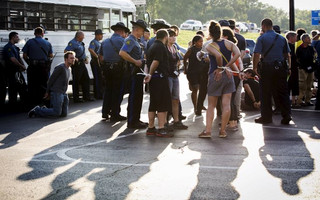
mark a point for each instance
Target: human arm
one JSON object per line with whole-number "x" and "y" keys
{"x": 185, "y": 61}
{"x": 16, "y": 62}
{"x": 255, "y": 60}
{"x": 128, "y": 58}
{"x": 153, "y": 68}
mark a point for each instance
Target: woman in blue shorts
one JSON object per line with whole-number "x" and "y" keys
{"x": 221, "y": 81}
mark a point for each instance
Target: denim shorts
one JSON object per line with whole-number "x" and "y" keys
{"x": 174, "y": 87}
{"x": 224, "y": 86}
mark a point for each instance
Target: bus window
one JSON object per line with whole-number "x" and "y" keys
{"x": 47, "y": 20}
{"x": 74, "y": 16}
{"x": 115, "y": 17}
{"x": 126, "y": 18}
{"x": 104, "y": 20}
{"x": 88, "y": 19}
{"x": 60, "y": 17}
{"x": 33, "y": 16}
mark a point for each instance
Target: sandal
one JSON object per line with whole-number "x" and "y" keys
{"x": 204, "y": 134}
{"x": 222, "y": 134}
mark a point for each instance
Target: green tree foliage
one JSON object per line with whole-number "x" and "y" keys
{"x": 177, "y": 11}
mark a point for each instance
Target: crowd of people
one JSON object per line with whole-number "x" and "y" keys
{"x": 128, "y": 60}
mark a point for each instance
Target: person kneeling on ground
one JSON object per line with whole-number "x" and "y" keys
{"x": 57, "y": 90}
{"x": 251, "y": 86}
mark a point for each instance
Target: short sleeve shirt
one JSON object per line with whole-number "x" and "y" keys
{"x": 242, "y": 45}
{"x": 158, "y": 52}
{"x": 77, "y": 47}
{"x": 37, "y": 48}
{"x": 10, "y": 50}
{"x": 111, "y": 53}
{"x": 132, "y": 47}
{"x": 95, "y": 45}
{"x": 280, "y": 47}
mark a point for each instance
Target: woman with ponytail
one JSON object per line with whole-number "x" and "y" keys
{"x": 221, "y": 81}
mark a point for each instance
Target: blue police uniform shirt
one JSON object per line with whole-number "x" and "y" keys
{"x": 132, "y": 47}
{"x": 95, "y": 45}
{"x": 150, "y": 43}
{"x": 77, "y": 47}
{"x": 316, "y": 45}
{"x": 34, "y": 51}
{"x": 108, "y": 52}
{"x": 10, "y": 50}
{"x": 280, "y": 47}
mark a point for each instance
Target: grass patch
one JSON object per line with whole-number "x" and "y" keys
{"x": 186, "y": 36}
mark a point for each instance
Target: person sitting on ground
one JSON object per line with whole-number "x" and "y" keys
{"x": 251, "y": 87}
{"x": 57, "y": 90}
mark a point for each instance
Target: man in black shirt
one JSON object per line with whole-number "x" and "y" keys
{"x": 251, "y": 88}
{"x": 160, "y": 97}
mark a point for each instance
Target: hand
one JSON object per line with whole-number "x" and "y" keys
{"x": 46, "y": 96}
{"x": 242, "y": 76}
{"x": 217, "y": 75}
{"x": 229, "y": 73}
{"x": 256, "y": 71}
{"x": 138, "y": 63}
{"x": 147, "y": 78}
{"x": 256, "y": 105}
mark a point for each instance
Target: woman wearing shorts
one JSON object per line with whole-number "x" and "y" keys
{"x": 221, "y": 81}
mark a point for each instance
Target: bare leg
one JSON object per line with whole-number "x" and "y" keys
{"x": 212, "y": 103}
{"x": 162, "y": 117}
{"x": 194, "y": 96}
{"x": 151, "y": 116}
{"x": 175, "y": 110}
{"x": 226, "y": 98}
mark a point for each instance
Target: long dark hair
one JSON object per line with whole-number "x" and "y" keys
{"x": 215, "y": 30}
{"x": 226, "y": 31}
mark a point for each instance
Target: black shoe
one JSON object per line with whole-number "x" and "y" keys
{"x": 105, "y": 117}
{"x": 145, "y": 123}
{"x": 117, "y": 118}
{"x": 182, "y": 117}
{"x": 168, "y": 127}
{"x": 309, "y": 104}
{"x": 151, "y": 131}
{"x": 263, "y": 121}
{"x": 137, "y": 125}
{"x": 32, "y": 112}
{"x": 163, "y": 133}
{"x": 179, "y": 126}
{"x": 286, "y": 120}
{"x": 89, "y": 99}
{"x": 78, "y": 101}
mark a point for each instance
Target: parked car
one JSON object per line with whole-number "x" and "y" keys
{"x": 191, "y": 25}
{"x": 253, "y": 26}
{"x": 242, "y": 27}
{"x": 205, "y": 26}
{"x": 250, "y": 45}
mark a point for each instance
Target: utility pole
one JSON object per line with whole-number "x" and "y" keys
{"x": 291, "y": 15}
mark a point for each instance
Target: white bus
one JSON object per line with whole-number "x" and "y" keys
{"x": 61, "y": 19}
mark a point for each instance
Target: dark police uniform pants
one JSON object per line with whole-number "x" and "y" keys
{"x": 38, "y": 75}
{"x": 273, "y": 83}
{"x": 97, "y": 78}
{"x": 16, "y": 86}
{"x": 135, "y": 97}
{"x": 114, "y": 89}
{"x": 80, "y": 76}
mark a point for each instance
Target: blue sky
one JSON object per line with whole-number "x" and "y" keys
{"x": 300, "y": 4}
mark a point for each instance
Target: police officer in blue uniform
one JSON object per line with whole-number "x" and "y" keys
{"x": 94, "y": 48}
{"x": 273, "y": 71}
{"x": 37, "y": 52}
{"x": 14, "y": 67}
{"x": 156, "y": 26}
{"x": 113, "y": 67}
{"x": 79, "y": 71}
{"x": 132, "y": 53}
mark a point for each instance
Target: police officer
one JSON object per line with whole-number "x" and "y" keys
{"x": 95, "y": 65}
{"x": 273, "y": 71}
{"x": 113, "y": 67}
{"x": 79, "y": 71}
{"x": 14, "y": 67}
{"x": 37, "y": 52}
{"x": 156, "y": 26}
{"x": 131, "y": 52}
